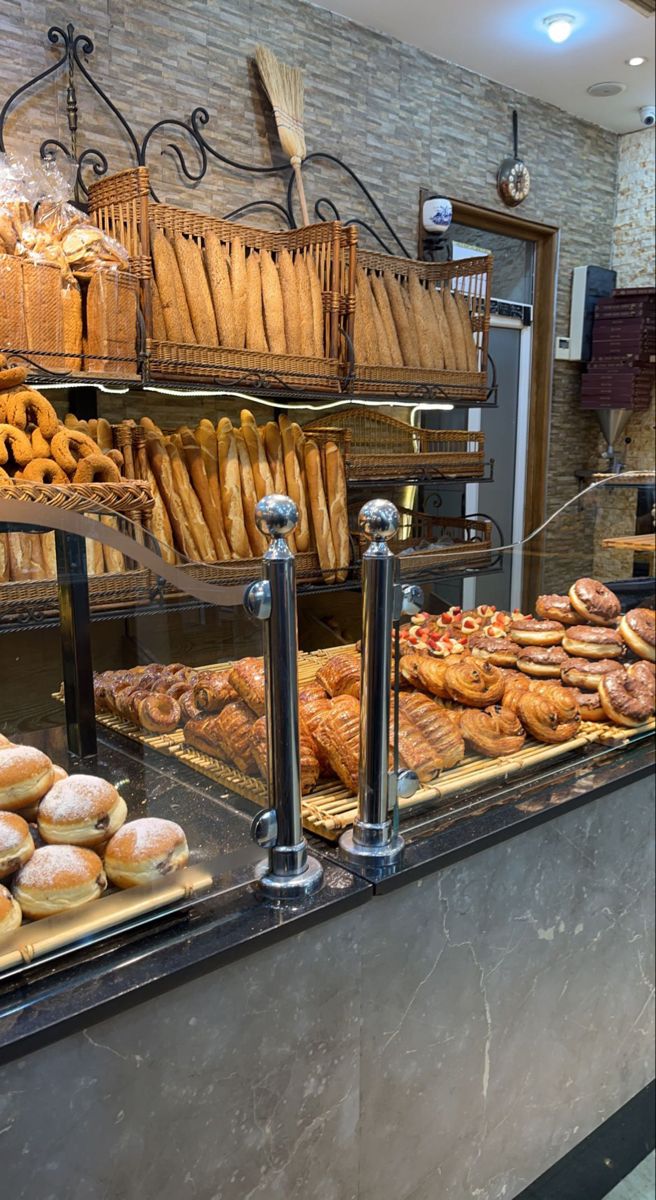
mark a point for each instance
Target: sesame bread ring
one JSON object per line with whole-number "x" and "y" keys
{"x": 10, "y": 912}
{"x": 68, "y": 447}
{"x": 40, "y": 446}
{"x": 26, "y": 775}
{"x": 81, "y": 811}
{"x": 96, "y": 468}
{"x": 14, "y": 440}
{"x": 26, "y": 407}
{"x": 16, "y": 845}
{"x": 12, "y": 377}
{"x": 58, "y": 878}
{"x": 44, "y": 470}
{"x": 145, "y": 850}
{"x": 594, "y": 602}
{"x": 638, "y": 629}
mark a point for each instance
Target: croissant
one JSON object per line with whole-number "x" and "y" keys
{"x": 309, "y": 762}
{"x": 247, "y": 678}
{"x": 551, "y": 718}
{"x": 213, "y": 690}
{"x": 415, "y": 751}
{"x": 472, "y": 682}
{"x": 338, "y": 737}
{"x": 492, "y": 731}
{"x": 439, "y": 729}
{"x": 340, "y": 676}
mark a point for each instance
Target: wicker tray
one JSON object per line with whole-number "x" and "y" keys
{"x": 127, "y": 498}
{"x": 330, "y": 809}
{"x": 382, "y": 447}
{"x": 472, "y": 278}
{"x": 471, "y": 538}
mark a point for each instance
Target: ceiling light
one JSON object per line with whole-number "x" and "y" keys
{"x": 635, "y": 62}
{"x": 559, "y": 27}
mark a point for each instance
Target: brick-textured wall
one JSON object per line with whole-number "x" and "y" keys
{"x": 402, "y": 118}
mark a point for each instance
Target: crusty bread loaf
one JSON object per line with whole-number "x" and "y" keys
{"x": 306, "y": 319}
{"x": 384, "y": 348}
{"x": 318, "y": 320}
{"x": 159, "y": 326}
{"x": 72, "y": 325}
{"x": 218, "y": 273}
{"x": 273, "y": 447}
{"x": 469, "y": 342}
{"x": 262, "y": 476}
{"x": 200, "y": 483}
{"x": 49, "y": 555}
{"x": 190, "y": 502}
{"x": 320, "y": 522}
{"x": 175, "y": 309}
{"x": 435, "y": 327}
{"x": 258, "y": 542}
{"x": 401, "y": 321}
{"x": 255, "y": 334}
{"x": 25, "y": 557}
{"x": 381, "y": 299}
{"x": 5, "y": 565}
{"x": 417, "y": 296}
{"x": 230, "y": 483}
{"x": 239, "y": 286}
{"x": 366, "y": 300}
{"x": 274, "y": 319}
{"x": 43, "y": 311}
{"x": 456, "y": 332}
{"x": 295, "y": 485}
{"x": 159, "y": 522}
{"x": 337, "y": 507}
{"x": 194, "y": 281}
{"x": 207, "y": 440}
{"x": 290, "y": 302}
{"x": 448, "y": 353}
{"x": 161, "y": 465}
{"x": 95, "y": 555}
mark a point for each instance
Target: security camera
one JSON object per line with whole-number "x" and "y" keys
{"x": 648, "y": 115}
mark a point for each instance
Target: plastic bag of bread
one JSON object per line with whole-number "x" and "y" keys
{"x": 88, "y": 249}
{"x": 55, "y": 214}
{"x": 17, "y": 195}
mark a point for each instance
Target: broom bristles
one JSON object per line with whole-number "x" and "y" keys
{"x": 284, "y": 87}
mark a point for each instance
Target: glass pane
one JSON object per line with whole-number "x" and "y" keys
{"x": 512, "y": 271}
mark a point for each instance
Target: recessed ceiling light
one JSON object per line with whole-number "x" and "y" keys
{"x": 635, "y": 62}
{"x": 609, "y": 88}
{"x": 559, "y": 26}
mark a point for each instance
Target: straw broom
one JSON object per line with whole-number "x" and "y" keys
{"x": 284, "y": 87}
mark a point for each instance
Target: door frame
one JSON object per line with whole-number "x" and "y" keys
{"x": 546, "y": 239}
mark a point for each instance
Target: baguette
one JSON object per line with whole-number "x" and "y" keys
{"x": 318, "y": 322}
{"x": 401, "y": 321}
{"x": 273, "y": 305}
{"x": 370, "y": 330}
{"x": 200, "y": 483}
{"x": 255, "y": 335}
{"x": 160, "y": 524}
{"x": 290, "y": 302}
{"x": 306, "y": 320}
{"x": 159, "y": 326}
{"x": 361, "y": 344}
{"x": 262, "y": 476}
{"x": 468, "y": 336}
{"x": 216, "y": 263}
{"x": 161, "y": 465}
{"x": 273, "y": 447}
{"x": 322, "y": 532}
{"x": 206, "y": 438}
{"x": 456, "y": 333}
{"x": 384, "y": 348}
{"x": 435, "y": 326}
{"x": 239, "y": 290}
{"x": 448, "y": 354}
{"x": 383, "y": 305}
{"x": 416, "y": 294}
{"x": 258, "y": 542}
{"x": 177, "y": 319}
{"x": 190, "y": 502}
{"x": 295, "y": 486}
{"x": 95, "y": 556}
{"x": 230, "y": 481}
{"x": 336, "y": 496}
{"x": 114, "y": 561}
{"x": 194, "y": 281}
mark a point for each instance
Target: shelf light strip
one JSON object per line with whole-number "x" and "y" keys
{"x": 424, "y": 406}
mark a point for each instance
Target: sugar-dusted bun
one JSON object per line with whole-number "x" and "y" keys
{"x": 25, "y": 776}
{"x": 81, "y": 810}
{"x": 594, "y": 602}
{"x": 4, "y": 741}
{"x": 589, "y": 641}
{"x": 527, "y": 632}
{"x": 638, "y": 628}
{"x": 10, "y": 912}
{"x": 586, "y": 672}
{"x": 58, "y": 878}
{"x": 16, "y": 845}
{"x": 58, "y": 773}
{"x": 541, "y": 662}
{"x": 145, "y": 850}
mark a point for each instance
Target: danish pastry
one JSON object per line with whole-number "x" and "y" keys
{"x": 16, "y": 844}
{"x": 415, "y": 751}
{"x": 638, "y": 628}
{"x": 213, "y": 690}
{"x": 493, "y": 732}
{"x": 339, "y": 739}
{"x": 145, "y": 850}
{"x": 310, "y": 769}
{"x": 594, "y": 602}
{"x": 82, "y": 810}
{"x": 340, "y": 675}
{"x": 474, "y": 683}
{"x": 549, "y": 718}
{"x": 58, "y": 878}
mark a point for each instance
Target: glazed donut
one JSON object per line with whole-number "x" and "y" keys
{"x": 589, "y": 705}
{"x": 124, "y": 698}
{"x": 473, "y": 682}
{"x": 25, "y": 776}
{"x": 14, "y": 440}
{"x": 159, "y": 713}
{"x": 96, "y": 468}
{"x": 586, "y": 673}
{"x": 145, "y": 850}
{"x": 645, "y": 671}
{"x": 550, "y": 718}
{"x": 11, "y": 377}
{"x": 638, "y": 628}
{"x": 44, "y": 470}
{"x": 542, "y": 662}
{"x": 584, "y": 641}
{"x": 58, "y": 878}
{"x": 28, "y": 407}
{"x": 556, "y": 608}
{"x": 499, "y": 651}
{"x": 81, "y": 811}
{"x": 68, "y": 447}
{"x": 493, "y": 732}
{"x": 10, "y": 912}
{"x": 16, "y": 844}
{"x": 627, "y": 699}
{"x": 528, "y": 632}
{"x": 594, "y": 602}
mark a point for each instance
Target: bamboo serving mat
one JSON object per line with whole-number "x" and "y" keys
{"x": 645, "y": 542}
{"x": 330, "y": 808}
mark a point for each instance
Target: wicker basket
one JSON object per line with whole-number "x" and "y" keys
{"x": 471, "y": 540}
{"x": 382, "y": 447}
{"x": 123, "y": 209}
{"x": 470, "y": 277}
{"x": 32, "y": 312}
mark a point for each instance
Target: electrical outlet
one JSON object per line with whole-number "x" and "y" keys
{"x": 562, "y": 347}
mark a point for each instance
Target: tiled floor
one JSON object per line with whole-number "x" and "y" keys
{"x": 639, "y": 1185}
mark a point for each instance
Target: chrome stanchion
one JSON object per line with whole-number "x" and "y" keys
{"x": 292, "y": 873}
{"x": 373, "y": 836}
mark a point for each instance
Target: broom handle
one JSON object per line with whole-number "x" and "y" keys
{"x": 296, "y": 163}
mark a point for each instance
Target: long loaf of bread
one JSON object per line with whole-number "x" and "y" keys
{"x": 257, "y": 540}
{"x": 171, "y": 290}
{"x": 5, "y": 566}
{"x": 425, "y": 357}
{"x": 72, "y": 318}
{"x": 194, "y": 281}
{"x": 159, "y": 326}
{"x": 273, "y": 447}
{"x": 274, "y": 319}
{"x": 290, "y": 302}
{"x": 401, "y": 322}
{"x": 262, "y": 476}
{"x": 114, "y": 561}
{"x": 448, "y": 353}
{"x": 295, "y": 486}
{"x": 322, "y": 532}
{"x": 255, "y": 334}
{"x": 190, "y": 502}
{"x": 455, "y": 330}
{"x": 318, "y": 322}
{"x": 471, "y": 349}
{"x": 230, "y": 483}
{"x": 336, "y": 497}
{"x": 207, "y": 440}
{"x": 218, "y": 273}
{"x": 383, "y": 305}
{"x": 306, "y": 318}
{"x": 239, "y": 289}
{"x": 161, "y": 465}
{"x": 198, "y": 475}
{"x": 366, "y": 300}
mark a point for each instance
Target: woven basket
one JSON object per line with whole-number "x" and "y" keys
{"x": 32, "y": 313}
{"x": 125, "y": 498}
{"x": 471, "y": 538}
{"x": 122, "y": 208}
{"x": 382, "y": 447}
{"x": 472, "y": 278}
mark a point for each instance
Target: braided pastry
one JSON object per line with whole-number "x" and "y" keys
{"x": 68, "y": 446}
{"x": 18, "y": 442}
{"x": 96, "y": 468}
{"x": 472, "y": 682}
{"x": 11, "y": 377}
{"x": 552, "y": 718}
{"x": 40, "y": 446}
{"x": 493, "y": 731}
{"x": 44, "y": 470}
{"x": 28, "y": 407}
